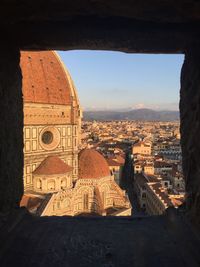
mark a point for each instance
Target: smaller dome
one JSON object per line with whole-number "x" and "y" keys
{"x": 92, "y": 165}
{"x": 52, "y": 165}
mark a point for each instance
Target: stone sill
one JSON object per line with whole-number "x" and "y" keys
{"x": 167, "y": 240}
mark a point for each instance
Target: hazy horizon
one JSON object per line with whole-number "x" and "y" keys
{"x": 115, "y": 80}
{"x": 130, "y": 108}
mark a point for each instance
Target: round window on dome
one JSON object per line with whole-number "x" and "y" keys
{"x": 47, "y": 137}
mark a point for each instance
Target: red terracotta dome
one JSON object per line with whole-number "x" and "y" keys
{"x": 45, "y": 79}
{"x": 92, "y": 165}
{"x": 52, "y": 165}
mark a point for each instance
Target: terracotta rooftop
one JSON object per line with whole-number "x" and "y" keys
{"x": 143, "y": 179}
{"x": 30, "y": 202}
{"x": 52, "y": 165}
{"x": 92, "y": 165}
{"x": 112, "y": 162}
{"x": 45, "y": 79}
{"x": 120, "y": 159}
{"x": 141, "y": 143}
{"x": 156, "y": 187}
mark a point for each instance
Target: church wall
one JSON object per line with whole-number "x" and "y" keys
{"x": 71, "y": 201}
{"x": 33, "y": 144}
{"x": 111, "y": 196}
{"x": 42, "y": 183}
{"x": 60, "y": 204}
{"x": 105, "y": 191}
{"x": 79, "y": 199}
{"x": 36, "y": 113}
{"x": 65, "y": 138}
{"x": 31, "y": 163}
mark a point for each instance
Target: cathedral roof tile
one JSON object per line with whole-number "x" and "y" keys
{"x": 92, "y": 165}
{"x": 52, "y": 165}
{"x": 45, "y": 79}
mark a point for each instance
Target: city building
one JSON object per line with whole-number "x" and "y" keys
{"x": 116, "y": 166}
{"x": 142, "y": 148}
{"x": 152, "y": 194}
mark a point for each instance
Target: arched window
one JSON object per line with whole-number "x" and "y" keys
{"x": 51, "y": 185}
{"x": 103, "y": 196}
{"x": 63, "y": 183}
{"x": 143, "y": 195}
{"x": 39, "y": 184}
{"x": 85, "y": 201}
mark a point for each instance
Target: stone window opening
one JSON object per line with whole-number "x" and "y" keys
{"x": 47, "y": 137}
{"x": 148, "y": 34}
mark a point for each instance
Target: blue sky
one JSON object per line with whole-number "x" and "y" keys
{"x": 115, "y": 80}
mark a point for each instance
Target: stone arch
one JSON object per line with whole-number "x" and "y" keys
{"x": 85, "y": 189}
{"x": 116, "y": 28}
{"x": 84, "y": 195}
{"x": 104, "y": 187}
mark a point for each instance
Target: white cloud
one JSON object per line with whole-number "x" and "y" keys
{"x": 139, "y": 106}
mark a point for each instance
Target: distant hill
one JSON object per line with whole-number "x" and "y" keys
{"x": 136, "y": 114}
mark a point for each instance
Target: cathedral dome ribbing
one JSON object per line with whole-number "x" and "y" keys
{"x": 45, "y": 79}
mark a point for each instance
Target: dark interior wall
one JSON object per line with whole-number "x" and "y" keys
{"x": 190, "y": 129}
{"x": 151, "y": 26}
{"x": 51, "y": 10}
{"x": 107, "y": 33}
{"x": 11, "y": 129}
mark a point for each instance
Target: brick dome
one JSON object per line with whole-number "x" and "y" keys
{"x": 92, "y": 165}
{"x": 52, "y": 165}
{"x": 45, "y": 79}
